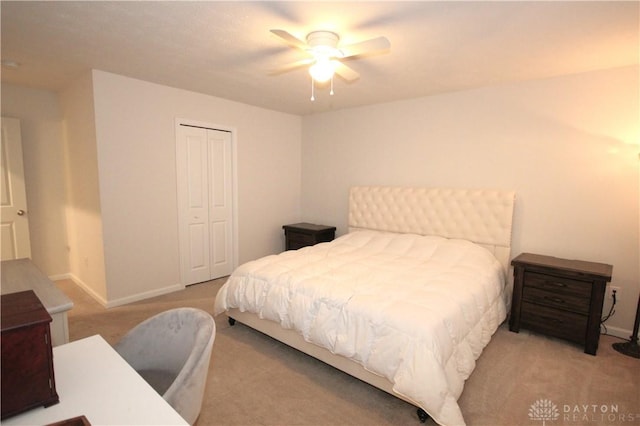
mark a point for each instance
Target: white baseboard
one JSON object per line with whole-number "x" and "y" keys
{"x": 117, "y": 302}
{"x": 143, "y": 296}
{"x": 60, "y": 277}
{"x": 619, "y": 332}
{"x": 81, "y": 284}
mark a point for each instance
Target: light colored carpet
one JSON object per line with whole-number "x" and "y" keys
{"x": 255, "y": 380}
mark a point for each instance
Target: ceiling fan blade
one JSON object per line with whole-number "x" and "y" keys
{"x": 346, "y": 72}
{"x": 290, "y": 39}
{"x": 368, "y": 46}
{"x": 292, "y": 66}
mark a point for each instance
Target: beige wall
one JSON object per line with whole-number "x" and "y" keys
{"x": 116, "y": 230}
{"x": 568, "y": 146}
{"x": 43, "y": 154}
{"x": 61, "y": 179}
{"x": 84, "y": 217}
{"x": 135, "y": 126}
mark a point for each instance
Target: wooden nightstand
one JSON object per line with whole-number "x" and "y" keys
{"x": 301, "y": 235}
{"x": 559, "y": 297}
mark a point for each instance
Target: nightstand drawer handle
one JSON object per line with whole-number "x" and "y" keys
{"x": 556, "y": 284}
{"x": 554, "y": 299}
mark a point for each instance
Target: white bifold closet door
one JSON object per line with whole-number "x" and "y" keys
{"x": 204, "y": 203}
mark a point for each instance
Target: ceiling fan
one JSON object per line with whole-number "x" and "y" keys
{"x": 325, "y": 56}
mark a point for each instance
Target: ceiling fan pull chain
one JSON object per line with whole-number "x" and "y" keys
{"x": 313, "y": 98}
{"x": 331, "y": 92}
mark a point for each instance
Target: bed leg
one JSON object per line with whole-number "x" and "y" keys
{"x": 422, "y": 415}
{"x": 232, "y": 321}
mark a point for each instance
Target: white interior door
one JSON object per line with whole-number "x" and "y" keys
{"x": 193, "y": 205}
{"x": 204, "y": 162}
{"x": 220, "y": 203}
{"x": 14, "y": 227}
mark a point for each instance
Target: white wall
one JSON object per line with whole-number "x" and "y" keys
{"x": 568, "y": 146}
{"x": 83, "y": 209}
{"x": 101, "y": 184}
{"x": 137, "y": 176}
{"x": 43, "y": 154}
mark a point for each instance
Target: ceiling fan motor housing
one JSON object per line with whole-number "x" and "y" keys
{"x": 319, "y": 40}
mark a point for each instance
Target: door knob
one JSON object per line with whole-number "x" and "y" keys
{"x": 20, "y": 212}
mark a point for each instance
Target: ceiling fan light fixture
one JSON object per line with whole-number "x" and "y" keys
{"x": 323, "y": 70}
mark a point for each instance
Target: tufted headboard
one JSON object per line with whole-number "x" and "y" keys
{"x": 478, "y": 215}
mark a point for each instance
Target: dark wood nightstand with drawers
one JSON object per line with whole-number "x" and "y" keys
{"x": 301, "y": 235}
{"x": 559, "y": 297}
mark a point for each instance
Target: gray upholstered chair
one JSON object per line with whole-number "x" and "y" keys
{"x": 171, "y": 351}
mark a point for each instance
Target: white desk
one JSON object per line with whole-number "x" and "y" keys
{"x": 22, "y": 274}
{"x": 93, "y": 380}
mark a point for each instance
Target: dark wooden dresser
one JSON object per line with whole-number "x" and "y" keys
{"x": 301, "y": 235}
{"x": 559, "y": 297}
{"x": 27, "y": 358}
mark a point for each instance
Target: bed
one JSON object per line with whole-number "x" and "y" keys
{"x": 405, "y": 301}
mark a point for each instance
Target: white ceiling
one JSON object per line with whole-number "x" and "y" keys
{"x": 225, "y": 49}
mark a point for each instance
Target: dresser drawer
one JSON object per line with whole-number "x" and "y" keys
{"x": 554, "y": 322}
{"x": 558, "y": 285}
{"x": 568, "y": 302}
{"x": 298, "y": 238}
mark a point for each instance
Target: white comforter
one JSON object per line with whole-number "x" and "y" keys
{"x": 416, "y": 310}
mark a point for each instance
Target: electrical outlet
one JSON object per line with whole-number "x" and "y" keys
{"x": 614, "y": 289}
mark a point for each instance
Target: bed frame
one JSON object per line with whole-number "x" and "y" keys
{"x": 481, "y": 216}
